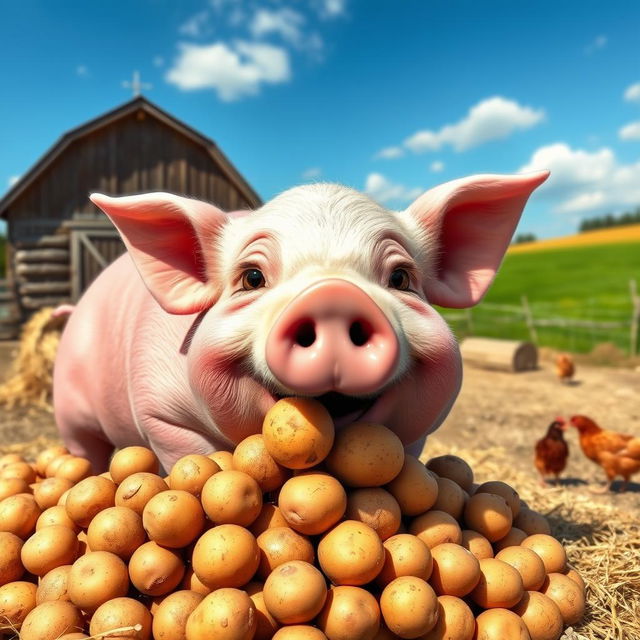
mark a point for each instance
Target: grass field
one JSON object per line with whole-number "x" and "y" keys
{"x": 563, "y": 283}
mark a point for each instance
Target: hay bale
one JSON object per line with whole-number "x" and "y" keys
{"x": 31, "y": 377}
{"x": 501, "y": 355}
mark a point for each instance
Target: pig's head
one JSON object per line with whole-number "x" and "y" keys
{"x": 322, "y": 292}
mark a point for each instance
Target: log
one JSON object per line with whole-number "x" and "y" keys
{"x": 41, "y": 255}
{"x": 501, "y": 355}
{"x": 44, "y": 288}
{"x": 42, "y": 269}
{"x": 60, "y": 241}
{"x": 38, "y": 303}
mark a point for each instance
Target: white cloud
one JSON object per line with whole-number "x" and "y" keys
{"x": 632, "y": 93}
{"x": 195, "y": 26}
{"x": 586, "y": 182}
{"x": 158, "y": 61}
{"x": 285, "y": 22}
{"x": 312, "y": 173}
{"x": 599, "y": 42}
{"x": 389, "y": 153}
{"x": 630, "y": 131}
{"x": 383, "y": 190}
{"x": 436, "y": 166}
{"x": 12, "y": 180}
{"x": 234, "y": 71}
{"x": 82, "y": 71}
{"x": 491, "y": 119}
{"x": 331, "y": 8}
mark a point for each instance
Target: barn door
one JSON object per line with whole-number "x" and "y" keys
{"x": 93, "y": 247}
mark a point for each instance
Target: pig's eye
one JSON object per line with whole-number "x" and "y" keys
{"x": 252, "y": 279}
{"x": 400, "y": 279}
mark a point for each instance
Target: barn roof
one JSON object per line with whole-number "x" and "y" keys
{"x": 124, "y": 110}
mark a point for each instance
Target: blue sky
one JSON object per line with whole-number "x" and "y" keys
{"x": 390, "y": 97}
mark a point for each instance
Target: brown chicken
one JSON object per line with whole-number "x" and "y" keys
{"x": 565, "y": 368}
{"x": 617, "y": 453}
{"x": 552, "y": 451}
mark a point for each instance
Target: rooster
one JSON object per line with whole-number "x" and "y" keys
{"x": 617, "y": 453}
{"x": 565, "y": 368}
{"x": 552, "y": 451}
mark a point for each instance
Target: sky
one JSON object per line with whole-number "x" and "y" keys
{"x": 391, "y": 97}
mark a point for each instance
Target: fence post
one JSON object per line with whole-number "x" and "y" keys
{"x": 635, "y": 318}
{"x": 528, "y": 316}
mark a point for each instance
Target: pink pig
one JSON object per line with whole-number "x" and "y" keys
{"x": 185, "y": 342}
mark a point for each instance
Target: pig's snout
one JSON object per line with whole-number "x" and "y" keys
{"x": 332, "y": 337}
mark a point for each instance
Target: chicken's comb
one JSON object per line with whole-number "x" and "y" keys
{"x": 560, "y": 420}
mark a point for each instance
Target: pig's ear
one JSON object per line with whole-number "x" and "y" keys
{"x": 170, "y": 239}
{"x": 468, "y": 225}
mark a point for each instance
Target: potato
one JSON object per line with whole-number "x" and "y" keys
{"x": 409, "y": 607}
{"x": 11, "y": 567}
{"x": 231, "y": 497}
{"x": 500, "y": 624}
{"x": 118, "y": 530}
{"x": 500, "y": 585}
{"x": 312, "y": 502}
{"x": 54, "y": 585}
{"x": 269, "y": 516}
{"x": 191, "y": 582}
{"x": 155, "y": 570}
{"x": 298, "y": 632}
{"x": 456, "y": 570}
{"x": 298, "y": 432}
{"x": 48, "y": 455}
{"x": 95, "y": 578}
{"x": 454, "y": 468}
{"x": 137, "y": 489}
{"x": 295, "y": 592}
{"x": 132, "y": 460}
{"x": 282, "y": 544}
{"x": 171, "y": 614}
{"x": 225, "y": 614}
{"x": 225, "y": 556}
{"x": 55, "y": 464}
{"x": 366, "y": 455}
{"x": 191, "y": 472}
{"x": 252, "y": 457}
{"x": 56, "y": 515}
{"x": 436, "y": 527}
{"x": 49, "y": 548}
{"x": 488, "y": 514}
{"x": 567, "y": 595}
{"x": 405, "y": 555}
{"x": 73, "y": 468}
{"x": 89, "y": 497}
{"x": 224, "y": 459}
{"x": 349, "y": 613}
{"x": 377, "y": 508}
{"x": 120, "y": 613}
{"x": 12, "y": 486}
{"x": 266, "y": 624}
{"x": 17, "y": 599}
{"x": 531, "y": 522}
{"x": 173, "y": 518}
{"x": 18, "y": 515}
{"x": 571, "y": 572}
{"x": 550, "y": 551}
{"x": 10, "y": 458}
{"x": 475, "y": 542}
{"x": 529, "y": 566}
{"x": 21, "y": 470}
{"x": 512, "y": 539}
{"x": 455, "y": 621}
{"x": 541, "y": 616}
{"x": 451, "y": 497}
{"x": 50, "y": 620}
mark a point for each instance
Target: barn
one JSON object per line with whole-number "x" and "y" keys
{"x": 58, "y": 241}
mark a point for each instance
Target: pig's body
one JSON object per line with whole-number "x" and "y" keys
{"x": 185, "y": 342}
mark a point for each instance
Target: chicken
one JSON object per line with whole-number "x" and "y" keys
{"x": 552, "y": 451}
{"x": 617, "y": 453}
{"x": 565, "y": 368}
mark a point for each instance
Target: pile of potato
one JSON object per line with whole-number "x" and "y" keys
{"x": 301, "y": 533}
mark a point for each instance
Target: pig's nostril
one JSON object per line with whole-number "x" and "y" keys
{"x": 305, "y": 334}
{"x": 360, "y": 333}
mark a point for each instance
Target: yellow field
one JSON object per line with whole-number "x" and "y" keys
{"x": 614, "y": 235}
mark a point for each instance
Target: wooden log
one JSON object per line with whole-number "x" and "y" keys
{"x": 60, "y": 241}
{"x": 44, "y": 288}
{"x": 502, "y": 355}
{"x": 49, "y": 301}
{"x": 41, "y": 255}
{"x": 42, "y": 269}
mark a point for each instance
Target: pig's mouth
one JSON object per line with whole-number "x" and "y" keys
{"x": 345, "y": 409}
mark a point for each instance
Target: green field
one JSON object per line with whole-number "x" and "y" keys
{"x": 584, "y": 284}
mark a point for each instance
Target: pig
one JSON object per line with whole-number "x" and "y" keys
{"x": 188, "y": 339}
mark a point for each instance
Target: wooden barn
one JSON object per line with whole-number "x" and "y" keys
{"x": 58, "y": 241}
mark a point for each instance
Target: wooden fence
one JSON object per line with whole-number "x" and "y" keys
{"x": 577, "y": 329}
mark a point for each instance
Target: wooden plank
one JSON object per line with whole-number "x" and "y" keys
{"x": 31, "y": 303}
{"x": 42, "y": 255}
{"x": 43, "y": 288}
{"x": 37, "y": 242}
{"x": 42, "y": 269}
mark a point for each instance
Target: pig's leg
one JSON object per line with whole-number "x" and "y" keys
{"x": 88, "y": 442}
